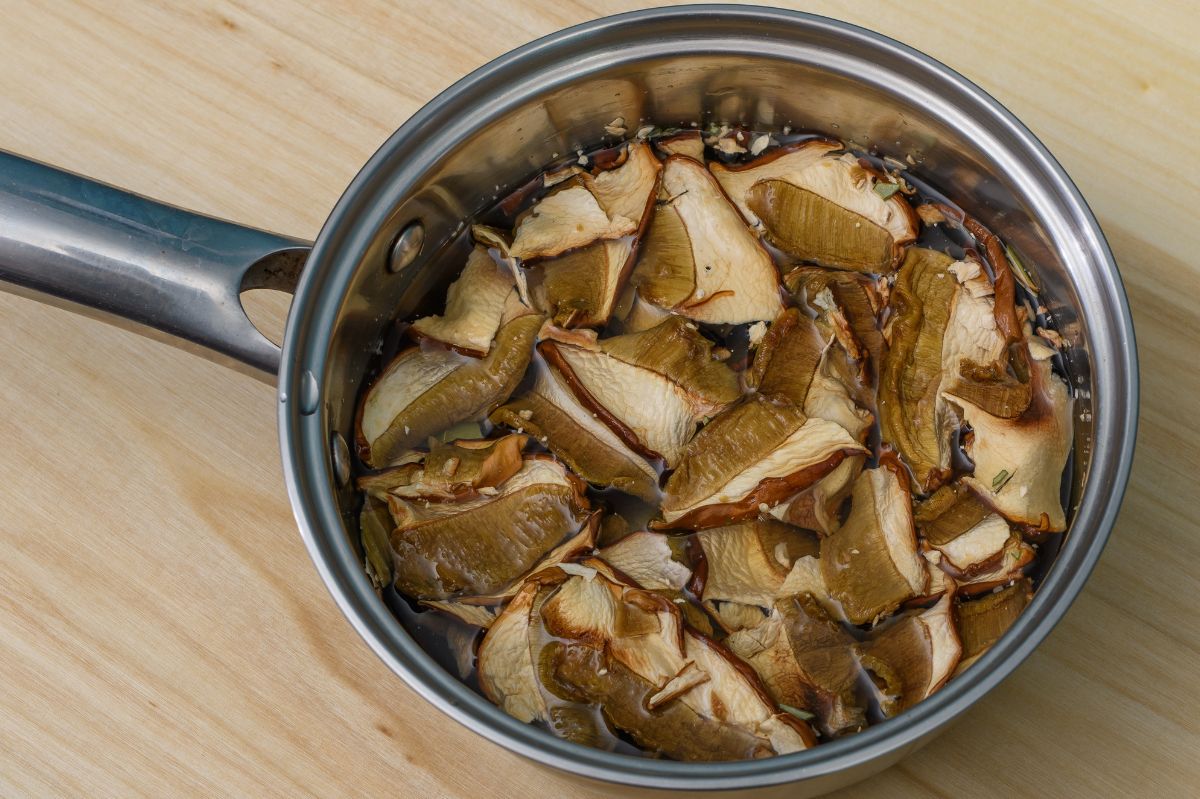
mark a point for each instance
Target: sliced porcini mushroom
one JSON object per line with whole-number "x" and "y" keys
{"x": 940, "y": 583}
{"x": 1009, "y": 565}
{"x": 979, "y": 362}
{"x": 459, "y": 470}
{"x": 794, "y": 363}
{"x": 754, "y": 456}
{"x": 698, "y": 259}
{"x": 944, "y": 338}
{"x": 818, "y": 507}
{"x": 852, "y": 297}
{"x": 507, "y": 662}
{"x": 969, "y": 535}
{"x": 913, "y": 657}
{"x": 912, "y": 416}
{"x": 579, "y": 288}
{"x": 651, "y": 388}
{"x": 1019, "y": 462}
{"x": 553, "y": 415}
{"x": 474, "y": 615}
{"x": 626, "y": 649}
{"x": 980, "y": 622}
{"x": 807, "y": 660}
{"x": 748, "y": 566}
{"x": 648, "y": 559}
{"x": 427, "y": 389}
{"x": 688, "y": 143}
{"x": 476, "y": 302}
{"x": 481, "y": 545}
{"x": 608, "y": 204}
{"x": 786, "y": 358}
{"x": 375, "y": 527}
{"x": 561, "y": 557}
{"x": 822, "y": 207}
{"x": 870, "y": 564}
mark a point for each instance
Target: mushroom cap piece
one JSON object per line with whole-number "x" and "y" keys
{"x": 698, "y": 258}
{"x": 476, "y": 303}
{"x": 426, "y": 389}
{"x": 587, "y": 639}
{"x": 1019, "y": 462}
{"x": 553, "y": 414}
{"x": 819, "y": 206}
{"x": 482, "y": 544}
{"x": 913, "y": 657}
{"x": 871, "y": 564}
{"x": 754, "y": 456}
{"x": 608, "y": 204}
{"x": 651, "y": 388}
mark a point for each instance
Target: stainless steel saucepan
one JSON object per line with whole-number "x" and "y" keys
{"x": 176, "y": 274}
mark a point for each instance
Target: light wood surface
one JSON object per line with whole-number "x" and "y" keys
{"x": 162, "y": 631}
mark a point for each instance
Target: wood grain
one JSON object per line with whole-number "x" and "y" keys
{"x": 162, "y": 631}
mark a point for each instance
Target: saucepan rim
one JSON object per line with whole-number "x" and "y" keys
{"x": 304, "y": 439}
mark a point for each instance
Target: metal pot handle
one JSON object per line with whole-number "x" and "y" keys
{"x": 159, "y": 270}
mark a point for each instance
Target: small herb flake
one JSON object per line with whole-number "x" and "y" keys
{"x": 797, "y": 712}
{"x": 886, "y": 190}
{"x": 1001, "y": 479}
{"x": 1018, "y": 269}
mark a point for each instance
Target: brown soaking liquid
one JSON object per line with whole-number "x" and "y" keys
{"x": 452, "y": 644}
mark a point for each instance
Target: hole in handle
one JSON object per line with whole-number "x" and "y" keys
{"x": 266, "y": 291}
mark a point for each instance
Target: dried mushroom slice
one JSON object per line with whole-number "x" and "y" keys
{"x": 1019, "y": 462}
{"x": 608, "y": 204}
{"x": 807, "y": 660}
{"x": 460, "y": 470}
{"x": 787, "y": 358}
{"x": 698, "y": 258}
{"x": 833, "y": 394}
{"x": 752, "y": 563}
{"x": 981, "y": 622}
{"x": 923, "y": 359}
{"x": 822, "y": 207}
{"x": 852, "y": 297}
{"x": 913, "y": 657}
{"x": 473, "y": 615}
{"x": 375, "y": 526}
{"x": 479, "y": 546}
{"x": 691, "y": 699}
{"x": 979, "y": 363}
{"x": 579, "y": 288}
{"x": 1001, "y": 570}
{"x": 476, "y": 303}
{"x": 553, "y": 415}
{"x": 818, "y": 507}
{"x": 648, "y": 559}
{"x": 912, "y": 415}
{"x": 651, "y": 388}
{"x": 870, "y": 564}
{"x": 970, "y": 537}
{"x": 427, "y": 389}
{"x": 561, "y": 557}
{"x": 756, "y": 455}
{"x": 507, "y": 662}
{"x": 688, "y": 143}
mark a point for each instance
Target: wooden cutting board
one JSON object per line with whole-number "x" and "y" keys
{"x": 162, "y": 631}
